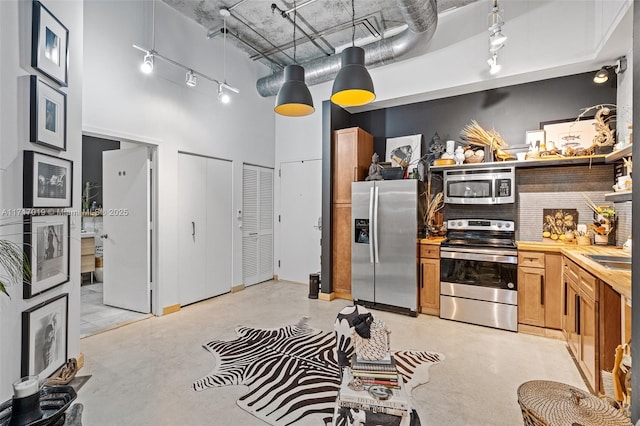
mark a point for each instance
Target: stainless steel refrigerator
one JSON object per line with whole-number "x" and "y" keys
{"x": 385, "y": 220}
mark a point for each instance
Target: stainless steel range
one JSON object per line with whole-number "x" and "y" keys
{"x": 478, "y": 273}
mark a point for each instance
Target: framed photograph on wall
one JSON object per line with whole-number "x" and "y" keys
{"x": 49, "y": 44}
{"x": 47, "y": 181}
{"x": 404, "y": 151}
{"x": 536, "y": 139}
{"x": 570, "y": 133}
{"x": 48, "y": 115}
{"x": 46, "y": 246}
{"x": 44, "y": 337}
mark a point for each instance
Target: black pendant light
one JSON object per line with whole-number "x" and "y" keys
{"x": 353, "y": 85}
{"x": 294, "y": 98}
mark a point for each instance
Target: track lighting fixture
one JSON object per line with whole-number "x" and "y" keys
{"x": 191, "y": 80}
{"x": 353, "y": 85}
{"x": 223, "y": 96}
{"x": 494, "y": 66}
{"x": 609, "y": 72}
{"x": 496, "y": 37}
{"x": 147, "y": 64}
{"x": 294, "y": 98}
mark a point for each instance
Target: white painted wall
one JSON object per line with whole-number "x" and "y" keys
{"x": 119, "y": 101}
{"x": 15, "y": 48}
{"x": 546, "y": 39}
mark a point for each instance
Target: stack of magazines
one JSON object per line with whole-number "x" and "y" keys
{"x": 381, "y": 372}
{"x": 395, "y": 402}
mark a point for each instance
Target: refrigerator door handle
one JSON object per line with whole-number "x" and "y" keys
{"x": 375, "y": 225}
{"x": 371, "y": 240}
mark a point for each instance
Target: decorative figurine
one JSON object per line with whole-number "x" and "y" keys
{"x": 459, "y": 155}
{"x": 375, "y": 169}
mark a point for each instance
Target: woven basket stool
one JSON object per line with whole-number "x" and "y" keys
{"x": 547, "y": 403}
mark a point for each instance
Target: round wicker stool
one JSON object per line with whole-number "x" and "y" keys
{"x": 546, "y": 403}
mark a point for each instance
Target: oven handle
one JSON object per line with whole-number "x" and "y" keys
{"x": 464, "y": 255}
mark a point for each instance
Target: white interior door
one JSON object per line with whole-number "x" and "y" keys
{"x": 257, "y": 224}
{"x": 219, "y": 227}
{"x": 192, "y": 227}
{"x": 300, "y": 211}
{"x": 126, "y": 198}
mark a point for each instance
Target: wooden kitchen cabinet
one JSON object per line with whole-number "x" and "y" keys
{"x": 88, "y": 255}
{"x": 342, "y": 250}
{"x": 539, "y": 291}
{"x": 429, "y": 279}
{"x": 352, "y": 153}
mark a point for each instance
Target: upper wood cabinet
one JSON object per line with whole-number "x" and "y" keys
{"x": 352, "y": 153}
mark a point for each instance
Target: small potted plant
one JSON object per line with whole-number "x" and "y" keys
{"x": 603, "y": 223}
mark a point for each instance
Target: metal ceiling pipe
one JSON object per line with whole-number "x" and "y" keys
{"x": 421, "y": 16}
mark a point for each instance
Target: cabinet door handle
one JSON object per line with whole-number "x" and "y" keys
{"x": 577, "y": 310}
{"x": 355, "y": 174}
{"x": 565, "y": 298}
{"x": 542, "y": 290}
{"x": 421, "y": 275}
{"x": 193, "y": 229}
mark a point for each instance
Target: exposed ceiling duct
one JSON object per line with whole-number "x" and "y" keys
{"x": 421, "y": 16}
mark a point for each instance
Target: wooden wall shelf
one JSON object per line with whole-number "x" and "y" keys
{"x": 543, "y": 162}
{"x": 627, "y": 151}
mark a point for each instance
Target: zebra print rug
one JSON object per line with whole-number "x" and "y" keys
{"x": 292, "y": 372}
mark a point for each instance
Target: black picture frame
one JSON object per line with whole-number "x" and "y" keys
{"x": 48, "y": 181}
{"x": 46, "y": 247}
{"x": 45, "y": 334}
{"x": 48, "y": 115}
{"x": 49, "y": 44}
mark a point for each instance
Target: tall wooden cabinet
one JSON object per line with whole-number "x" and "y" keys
{"x": 352, "y": 151}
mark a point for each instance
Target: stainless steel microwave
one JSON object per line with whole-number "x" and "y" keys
{"x": 489, "y": 185}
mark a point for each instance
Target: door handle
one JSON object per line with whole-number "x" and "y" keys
{"x": 375, "y": 226}
{"x": 542, "y": 289}
{"x": 104, "y": 236}
{"x": 355, "y": 174}
{"x": 565, "y": 298}
{"x": 577, "y": 311}
{"x": 421, "y": 275}
{"x": 193, "y": 229}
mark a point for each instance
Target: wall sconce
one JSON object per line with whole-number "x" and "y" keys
{"x": 609, "y": 72}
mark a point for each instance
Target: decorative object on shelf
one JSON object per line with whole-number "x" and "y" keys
{"x": 46, "y": 247}
{"x": 536, "y": 139}
{"x": 473, "y": 157}
{"x": 49, "y": 44}
{"x": 458, "y": 155}
{"x": 25, "y": 407}
{"x": 52, "y": 404}
{"x": 47, "y": 181}
{"x": 434, "y": 218}
{"x": 559, "y": 225}
{"x": 375, "y": 169}
{"x": 44, "y": 337}
{"x": 572, "y": 136}
{"x": 48, "y": 115}
{"x": 436, "y": 148}
{"x": 475, "y": 135}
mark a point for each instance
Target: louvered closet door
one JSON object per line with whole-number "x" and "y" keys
{"x": 257, "y": 224}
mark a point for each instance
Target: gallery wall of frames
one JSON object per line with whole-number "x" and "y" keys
{"x": 47, "y": 192}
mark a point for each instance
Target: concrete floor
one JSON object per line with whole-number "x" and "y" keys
{"x": 142, "y": 373}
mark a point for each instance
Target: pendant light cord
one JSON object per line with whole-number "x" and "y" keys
{"x": 295, "y": 15}
{"x": 153, "y": 26}
{"x": 224, "y": 50}
{"x": 353, "y": 23}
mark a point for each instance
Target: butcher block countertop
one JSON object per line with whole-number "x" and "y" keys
{"x": 620, "y": 281}
{"x": 431, "y": 240}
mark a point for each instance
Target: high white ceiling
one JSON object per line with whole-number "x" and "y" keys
{"x": 259, "y": 27}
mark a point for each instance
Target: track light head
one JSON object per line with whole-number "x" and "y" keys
{"x": 497, "y": 39}
{"x": 191, "y": 80}
{"x": 602, "y": 76}
{"x": 147, "y": 64}
{"x": 223, "y": 96}
{"x": 494, "y": 66}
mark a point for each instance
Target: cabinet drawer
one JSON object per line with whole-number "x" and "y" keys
{"x": 588, "y": 284}
{"x": 430, "y": 251}
{"x": 531, "y": 259}
{"x": 87, "y": 246}
{"x": 572, "y": 271}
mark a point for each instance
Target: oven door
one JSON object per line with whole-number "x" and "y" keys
{"x": 496, "y": 269}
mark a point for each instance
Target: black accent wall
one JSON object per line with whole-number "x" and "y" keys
{"x": 511, "y": 110}
{"x": 92, "y": 149}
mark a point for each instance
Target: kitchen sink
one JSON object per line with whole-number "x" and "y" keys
{"x": 612, "y": 262}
